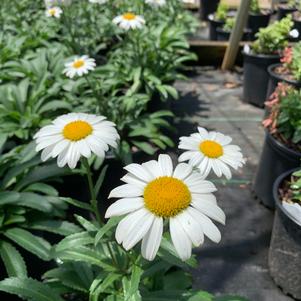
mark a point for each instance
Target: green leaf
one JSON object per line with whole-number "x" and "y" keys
{"x": 59, "y": 227}
{"x": 30, "y": 242}
{"x": 34, "y": 201}
{"x": 8, "y": 197}
{"x": 13, "y": 261}
{"x": 131, "y": 287}
{"x": 74, "y": 240}
{"x": 42, "y": 188}
{"x": 106, "y": 228}
{"x": 100, "y": 180}
{"x": 78, "y": 204}
{"x": 100, "y": 285}
{"x": 87, "y": 255}
{"x": 85, "y": 223}
{"x": 30, "y": 289}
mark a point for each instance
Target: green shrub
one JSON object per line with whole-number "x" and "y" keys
{"x": 254, "y": 7}
{"x": 221, "y": 12}
{"x": 273, "y": 38}
{"x": 229, "y": 24}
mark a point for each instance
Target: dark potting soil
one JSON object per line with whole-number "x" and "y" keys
{"x": 285, "y": 73}
{"x": 288, "y": 143}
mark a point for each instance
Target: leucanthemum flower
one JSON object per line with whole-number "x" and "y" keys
{"x": 54, "y": 12}
{"x": 129, "y": 21}
{"x": 156, "y": 3}
{"x": 79, "y": 66}
{"x": 211, "y": 151}
{"x": 155, "y": 191}
{"x": 74, "y": 135}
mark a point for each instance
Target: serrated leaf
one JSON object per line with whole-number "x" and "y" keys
{"x": 30, "y": 242}
{"x": 74, "y": 240}
{"x": 85, "y": 223}
{"x": 30, "y": 289}
{"x": 13, "y": 261}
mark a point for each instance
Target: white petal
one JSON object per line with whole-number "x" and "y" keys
{"x": 182, "y": 171}
{"x": 124, "y": 206}
{"x": 180, "y": 240}
{"x": 140, "y": 172}
{"x": 126, "y": 190}
{"x": 151, "y": 241}
{"x": 130, "y": 179}
{"x": 139, "y": 230}
{"x": 210, "y": 209}
{"x": 192, "y": 228}
{"x": 165, "y": 165}
{"x": 210, "y": 230}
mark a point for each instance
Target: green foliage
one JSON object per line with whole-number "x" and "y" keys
{"x": 296, "y": 187}
{"x": 254, "y": 7}
{"x": 229, "y": 24}
{"x": 289, "y": 118}
{"x": 274, "y": 38}
{"x": 221, "y": 12}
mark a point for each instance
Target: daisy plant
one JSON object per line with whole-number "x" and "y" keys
{"x": 54, "y": 12}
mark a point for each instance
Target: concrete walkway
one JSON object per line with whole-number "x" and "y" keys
{"x": 238, "y": 265}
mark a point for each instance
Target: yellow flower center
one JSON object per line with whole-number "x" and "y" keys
{"x": 78, "y": 63}
{"x": 211, "y": 149}
{"x": 129, "y": 16}
{"x": 166, "y": 196}
{"x": 51, "y": 11}
{"x": 77, "y": 130}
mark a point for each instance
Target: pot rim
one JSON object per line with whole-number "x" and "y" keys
{"x": 211, "y": 19}
{"x": 275, "y": 143}
{"x": 279, "y": 77}
{"x": 263, "y": 12}
{"x": 276, "y": 185}
{"x": 260, "y": 55}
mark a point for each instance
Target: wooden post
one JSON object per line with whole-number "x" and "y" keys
{"x": 236, "y": 35}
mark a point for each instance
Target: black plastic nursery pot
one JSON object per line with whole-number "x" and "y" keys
{"x": 275, "y": 159}
{"x": 257, "y": 21}
{"x": 256, "y": 77}
{"x": 208, "y": 7}
{"x": 213, "y": 25}
{"x": 285, "y": 247}
{"x": 275, "y": 78}
{"x": 284, "y": 11}
{"x": 223, "y": 35}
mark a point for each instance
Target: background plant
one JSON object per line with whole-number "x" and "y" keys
{"x": 274, "y": 38}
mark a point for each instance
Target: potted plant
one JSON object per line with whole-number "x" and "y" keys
{"x": 208, "y": 7}
{"x": 289, "y": 70}
{"x": 263, "y": 53}
{"x": 224, "y": 32}
{"x": 282, "y": 146}
{"x": 217, "y": 19}
{"x": 258, "y": 18}
{"x": 285, "y": 248}
{"x": 286, "y": 8}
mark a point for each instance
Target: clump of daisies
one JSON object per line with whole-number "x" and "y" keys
{"x": 129, "y": 20}
{"x": 54, "y": 12}
{"x": 155, "y": 193}
{"x": 75, "y": 135}
{"x": 98, "y": 1}
{"x": 79, "y": 66}
{"x": 211, "y": 151}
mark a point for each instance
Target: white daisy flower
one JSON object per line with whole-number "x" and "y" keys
{"x": 156, "y": 3}
{"x": 73, "y": 135}
{"x": 129, "y": 21}
{"x": 79, "y": 66}
{"x": 211, "y": 151}
{"x": 155, "y": 191}
{"x": 54, "y": 12}
{"x": 98, "y": 1}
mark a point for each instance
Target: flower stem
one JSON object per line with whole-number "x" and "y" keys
{"x": 92, "y": 191}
